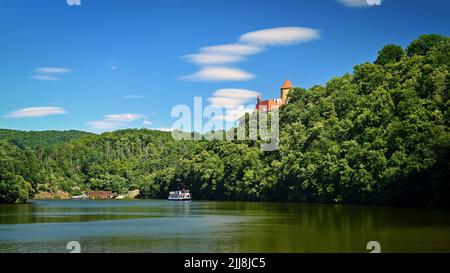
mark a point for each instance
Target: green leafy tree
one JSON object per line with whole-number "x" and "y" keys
{"x": 390, "y": 54}
{"x": 424, "y": 44}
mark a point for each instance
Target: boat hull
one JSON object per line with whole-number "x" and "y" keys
{"x": 183, "y": 195}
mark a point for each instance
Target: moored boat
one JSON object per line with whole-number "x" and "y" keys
{"x": 183, "y": 195}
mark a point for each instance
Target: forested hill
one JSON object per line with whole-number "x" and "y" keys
{"x": 379, "y": 135}
{"x": 39, "y": 139}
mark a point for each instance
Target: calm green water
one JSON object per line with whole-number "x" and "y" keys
{"x": 164, "y": 226}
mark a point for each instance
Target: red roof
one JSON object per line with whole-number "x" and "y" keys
{"x": 287, "y": 85}
{"x": 268, "y": 102}
{"x": 270, "y": 105}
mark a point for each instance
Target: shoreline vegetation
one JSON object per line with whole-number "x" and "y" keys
{"x": 377, "y": 136}
{"x": 63, "y": 195}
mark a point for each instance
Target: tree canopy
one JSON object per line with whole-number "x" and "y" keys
{"x": 425, "y": 43}
{"x": 390, "y": 54}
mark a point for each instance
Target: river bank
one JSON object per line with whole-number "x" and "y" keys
{"x": 62, "y": 195}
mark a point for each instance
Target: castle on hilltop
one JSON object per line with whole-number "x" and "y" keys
{"x": 274, "y": 104}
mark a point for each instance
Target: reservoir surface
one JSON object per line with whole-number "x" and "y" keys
{"x": 210, "y": 226}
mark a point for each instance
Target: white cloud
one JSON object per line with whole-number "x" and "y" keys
{"x": 114, "y": 67}
{"x": 280, "y": 36}
{"x": 233, "y": 102}
{"x": 236, "y": 93}
{"x": 134, "y": 97}
{"x": 48, "y": 73}
{"x": 35, "y": 112}
{"x": 208, "y": 59}
{"x": 53, "y": 70}
{"x": 225, "y": 102}
{"x": 360, "y": 3}
{"x": 234, "y": 114}
{"x": 248, "y": 44}
{"x": 232, "y": 97}
{"x": 124, "y": 117}
{"x": 146, "y": 122}
{"x": 104, "y": 125}
{"x": 114, "y": 121}
{"x": 219, "y": 74}
{"x": 163, "y": 129}
{"x": 73, "y": 2}
{"x": 233, "y": 49}
{"x": 45, "y": 78}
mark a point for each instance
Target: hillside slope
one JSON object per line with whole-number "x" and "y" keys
{"x": 39, "y": 139}
{"x": 379, "y": 135}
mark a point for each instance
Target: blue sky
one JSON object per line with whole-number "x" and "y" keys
{"x": 113, "y": 64}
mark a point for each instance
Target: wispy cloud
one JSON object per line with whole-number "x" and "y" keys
{"x": 225, "y": 102}
{"x": 124, "y": 117}
{"x": 233, "y": 49}
{"x": 215, "y": 60}
{"x": 113, "y": 65}
{"x": 237, "y": 93}
{"x": 233, "y": 102}
{"x": 280, "y": 36}
{"x": 133, "y": 97}
{"x": 219, "y": 74}
{"x": 232, "y": 98}
{"x": 35, "y": 112}
{"x": 73, "y": 2}
{"x": 45, "y": 78}
{"x": 222, "y": 54}
{"x": 163, "y": 129}
{"x": 209, "y": 59}
{"x": 234, "y": 114}
{"x": 114, "y": 121}
{"x": 48, "y": 73}
{"x": 53, "y": 70}
{"x": 146, "y": 122}
{"x": 104, "y": 125}
{"x": 360, "y": 3}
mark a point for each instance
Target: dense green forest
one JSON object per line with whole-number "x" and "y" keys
{"x": 379, "y": 135}
{"x": 39, "y": 140}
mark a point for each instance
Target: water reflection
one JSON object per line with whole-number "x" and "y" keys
{"x": 163, "y": 226}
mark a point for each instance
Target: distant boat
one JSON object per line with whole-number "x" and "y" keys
{"x": 83, "y": 196}
{"x": 183, "y": 195}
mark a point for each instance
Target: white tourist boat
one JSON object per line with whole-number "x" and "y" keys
{"x": 79, "y": 197}
{"x": 183, "y": 195}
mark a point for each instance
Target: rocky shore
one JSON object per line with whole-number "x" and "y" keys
{"x": 62, "y": 195}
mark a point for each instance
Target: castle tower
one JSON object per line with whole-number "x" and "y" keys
{"x": 287, "y": 86}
